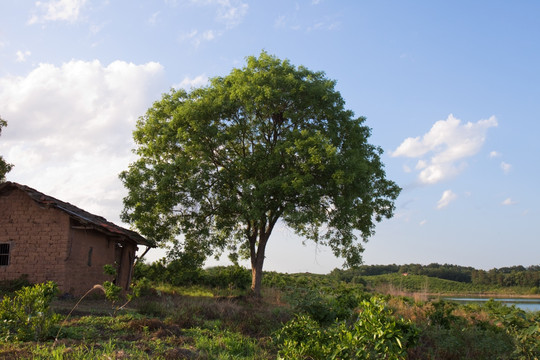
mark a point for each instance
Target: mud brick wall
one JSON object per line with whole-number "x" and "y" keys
{"x": 90, "y": 250}
{"x": 37, "y": 237}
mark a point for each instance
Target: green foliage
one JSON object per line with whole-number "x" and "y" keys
{"x": 479, "y": 342}
{"x": 233, "y": 276}
{"x": 141, "y": 287}
{"x": 515, "y": 276}
{"x": 223, "y": 163}
{"x": 509, "y": 276}
{"x": 374, "y": 334}
{"x": 174, "y": 273}
{"x": 27, "y": 315}
{"x": 109, "y": 269}
{"x": 112, "y": 291}
{"x": 330, "y": 320}
{"x": 4, "y": 166}
{"x": 441, "y": 315}
{"x": 325, "y": 304}
{"x": 523, "y": 327}
{"x": 223, "y": 344}
{"x": 422, "y": 283}
{"x": 177, "y": 272}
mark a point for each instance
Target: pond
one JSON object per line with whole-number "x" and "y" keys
{"x": 521, "y": 303}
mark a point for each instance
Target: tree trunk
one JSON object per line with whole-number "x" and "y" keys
{"x": 256, "y": 276}
{"x": 257, "y": 261}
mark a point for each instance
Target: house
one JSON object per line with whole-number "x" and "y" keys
{"x": 48, "y": 239}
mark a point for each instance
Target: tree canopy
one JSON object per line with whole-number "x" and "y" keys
{"x": 222, "y": 164}
{"x": 4, "y": 166}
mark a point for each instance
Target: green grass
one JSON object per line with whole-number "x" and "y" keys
{"x": 216, "y": 323}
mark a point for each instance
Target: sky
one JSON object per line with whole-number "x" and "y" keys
{"x": 450, "y": 89}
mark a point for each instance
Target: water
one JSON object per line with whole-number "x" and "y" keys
{"x": 521, "y": 303}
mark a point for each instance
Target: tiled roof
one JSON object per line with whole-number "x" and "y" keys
{"x": 84, "y": 217}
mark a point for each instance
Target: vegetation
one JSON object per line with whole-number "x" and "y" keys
{"x": 4, "y": 166}
{"x": 27, "y": 316}
{"x": 299, "y": 316}
{"x": 270, "y": 142}
{"x": 446, "y": 278}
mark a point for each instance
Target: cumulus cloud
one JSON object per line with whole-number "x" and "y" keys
{"x": 70, "y": 128}
{"x": 506, "y": 167}
{"x": 494, "y": 154}
{"x": 443, "y": 149}
{"x": 53, "y": 10}
{"x": 447, "y": 197}
{"x": 508, "y": 201}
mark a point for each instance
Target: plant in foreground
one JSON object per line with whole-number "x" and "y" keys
{"x": 27, "y": 315}
{"x": 375, "y": 333}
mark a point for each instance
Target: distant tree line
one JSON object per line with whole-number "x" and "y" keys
{"x": 504, "y": 277}
{"x": 509, "y": 276}
{"x": 187, "y": 270}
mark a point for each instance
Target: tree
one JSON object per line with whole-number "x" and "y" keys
{"x": 223, "y": 163}
{"x": 4, "y": 166}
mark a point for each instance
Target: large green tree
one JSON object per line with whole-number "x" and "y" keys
{"x": 4, "y": 166}
{"x": 222, "y": 164}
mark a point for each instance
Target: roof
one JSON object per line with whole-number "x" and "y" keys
{"x": 97, "y": 222}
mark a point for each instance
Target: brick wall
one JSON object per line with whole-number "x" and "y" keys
{"x": 37, "y": 238}
{"x": 46, "y": 244}
{"x": 90, "y": 251}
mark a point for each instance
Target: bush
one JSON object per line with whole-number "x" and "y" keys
{"x": 233, "y": 276}
{"x": 142, "y": 287}
{"x": 375, "y": 334}
{"x": 27, "y": 315}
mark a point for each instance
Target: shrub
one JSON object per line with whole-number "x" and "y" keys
{"x": 374, "y": 334}
{"x": 27, "y": 315}
{"x": 233, "y": 276}
{"x": 142, "y": 287}
{"x": 521, "y": 326}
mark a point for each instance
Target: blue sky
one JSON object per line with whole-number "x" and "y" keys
{"x": 451, "y": 91}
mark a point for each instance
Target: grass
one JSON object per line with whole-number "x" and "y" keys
{"x": 169, "y": 324}
{"x": 207, "y": 323}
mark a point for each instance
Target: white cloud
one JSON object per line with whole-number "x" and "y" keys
{"x": 494, "y": 154}
{"x": 448, "y": 143}
{"x": 447, "y": 197}
{"x": 197, "y": 37}
{"x": 22, "y": 55}
{"x": 70, "y": 128}
{"x": 509, "y": 201}
{"x": 65, "y": 10}
{"x": 189, "y": 83}
{"x": 506, "y": 167}
{"x": 231, "y": 12}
